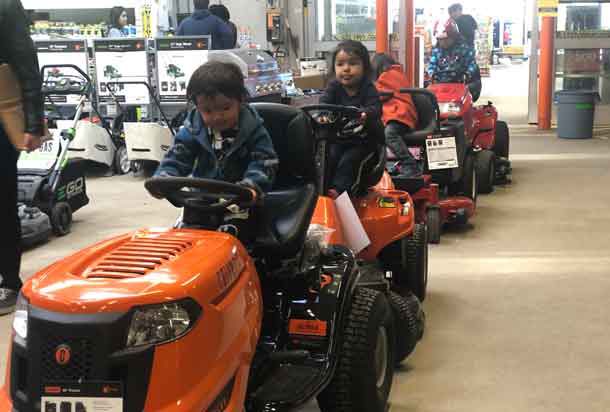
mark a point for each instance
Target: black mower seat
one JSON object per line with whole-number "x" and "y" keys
{"x": 288, "y": 208}
{"x": 411, "y": 185}
{"x": 426, "y": 120}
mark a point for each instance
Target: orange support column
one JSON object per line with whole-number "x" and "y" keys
{"x": 410, "y": 41}
{"x": 545, "y": 87}
{"x": 382, "y": 35}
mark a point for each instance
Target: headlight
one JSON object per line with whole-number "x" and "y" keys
{"x": 20, "y": 321}
{"x": 158, "y": 324}
{"x": 450, "y": 108}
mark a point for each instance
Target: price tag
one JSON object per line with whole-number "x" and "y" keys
{"x": 442, "y": 153}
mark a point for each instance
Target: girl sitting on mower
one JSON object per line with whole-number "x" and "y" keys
{"x": 223, "y": 138}
{"x": 352, "y": 86}
{"x": 399, "y": 113}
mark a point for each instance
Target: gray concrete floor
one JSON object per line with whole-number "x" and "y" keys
{"x": 516, "y": 311}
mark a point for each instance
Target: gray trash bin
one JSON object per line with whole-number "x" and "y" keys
{"x": 575, "y": 113}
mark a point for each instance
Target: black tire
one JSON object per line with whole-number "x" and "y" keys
{"x": 502, "y": 144}
{"x": 486, "y": 171}
{"x": 409, "y": 321}
{"x": 418, "y": 247}
{"x": 363, "y": 378}
{"x": 122, "y": 165}
{"x": 61, "y": 219}
{"x": 435, "y": 225}
{"x": 467, "y": 185}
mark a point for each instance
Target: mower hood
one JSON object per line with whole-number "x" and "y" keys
{"x": 449, "y": 92}
{"x": 142, "y": 268}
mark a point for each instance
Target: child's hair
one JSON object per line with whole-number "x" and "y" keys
{"x": 214, "y": 78}
{"x": 354, "y": 48}
{"x": 380, "y": 63}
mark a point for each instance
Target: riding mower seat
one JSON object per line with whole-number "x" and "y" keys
{"x": 427, "y": 120}
{"x": 289, "y": 207}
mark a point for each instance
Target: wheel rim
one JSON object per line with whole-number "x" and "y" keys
{"x": 124, "y": 162}
{"x": 381, "y": 356}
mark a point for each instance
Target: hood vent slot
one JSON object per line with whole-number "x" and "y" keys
{"x": 138, "y": 256}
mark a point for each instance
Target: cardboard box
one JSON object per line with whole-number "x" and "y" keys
{"x": 311, "y": 82}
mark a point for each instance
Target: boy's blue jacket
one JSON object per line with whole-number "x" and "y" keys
{"x": 251, "y": 158}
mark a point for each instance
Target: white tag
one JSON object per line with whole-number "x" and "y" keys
{"x": 442, "y": 153}
{"x": 355, "y": 235}
{"x": 111, "y": 110}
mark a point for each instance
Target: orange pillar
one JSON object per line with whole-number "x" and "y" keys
{"x": 410, "y": 41}
{"x": 382, "y": 27}
{"x": 545, "y": 86}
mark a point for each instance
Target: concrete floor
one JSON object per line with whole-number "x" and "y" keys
{"x": 516, "y": 312}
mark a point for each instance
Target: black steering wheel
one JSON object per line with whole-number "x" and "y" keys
{"x": 346, "y": 122}
{"x": 204, "y": 195}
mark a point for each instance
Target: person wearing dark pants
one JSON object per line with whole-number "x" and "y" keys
{"x": 16, "y": 50}
{"x": 407, "y": 165}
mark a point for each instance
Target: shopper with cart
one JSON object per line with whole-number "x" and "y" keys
{"x": 18, "y": 57}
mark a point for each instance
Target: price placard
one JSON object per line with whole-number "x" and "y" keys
{"x": 442, "y": 153}
{"x": 118, "y": 61}
{"x": 177, "y": 60}
{"x": 58, "y": 52}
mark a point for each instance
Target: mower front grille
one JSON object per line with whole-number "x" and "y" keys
{"x": 80, "y": 365}
{"x": 138, "y": 257}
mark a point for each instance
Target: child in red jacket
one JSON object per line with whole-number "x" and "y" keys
{"x": 399, "y": 112}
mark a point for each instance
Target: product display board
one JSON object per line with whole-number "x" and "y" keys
{"x": 58, "y": 52}
{"x": 177, "y": 60}
{"x": 117, "y": 61}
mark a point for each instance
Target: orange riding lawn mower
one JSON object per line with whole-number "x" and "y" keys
{"x": 245, "y": 305}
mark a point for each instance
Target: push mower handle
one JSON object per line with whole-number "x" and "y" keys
{"x": 66, "y": 66}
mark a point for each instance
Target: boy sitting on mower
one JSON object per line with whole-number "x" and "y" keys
{"x": 454, "y": 61}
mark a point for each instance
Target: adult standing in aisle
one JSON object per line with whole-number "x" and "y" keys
{"x": 221, "y": 11}
{"x": 118, "y": 21}
{"x": 17, "y": 50}
{"x": 466, "y": 23}
{"x": 204, "y": 23}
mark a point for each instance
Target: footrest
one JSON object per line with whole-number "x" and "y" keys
{"x": 289, "y": 383}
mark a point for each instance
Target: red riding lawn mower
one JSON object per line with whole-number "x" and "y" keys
{"x": 488, "y": 136}
{"x": 447, "y": 190}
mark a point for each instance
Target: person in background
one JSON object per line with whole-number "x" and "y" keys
{"x": 467, "y": 25}
{"x": 118, "y": 21}
{"x": 18, "y": 51}
{"x": 221, "y": 11}
{"x": 204, "y": 23}
{"x": 399, "y": 112}
{"x": 353, "y": 86}
{"x": 453, "y": 61}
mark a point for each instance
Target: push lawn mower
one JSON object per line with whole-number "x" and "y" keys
{"x": 192, "y": 319}
{"x": 174, "y": 71}
{"x": 489, "y": 136}
{"x": 50, "y": 186}
{"x": 447, "y": 191}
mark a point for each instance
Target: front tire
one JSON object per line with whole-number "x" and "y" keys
{"x": 409, "y": 324}
{"x": 434, "y": 222}
{"x": 467, "y": 185}
{"x": 502, "y": 143}
{"x": 418, "y": 246}
{"x": 61, "y": 219}
{"x": 363, "y": 378}
{"x": 122, "y": 165}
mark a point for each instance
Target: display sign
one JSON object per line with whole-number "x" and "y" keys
{"x": 177, "y": 60}
{"x": 44, "y": 157}
{"x": 442, "y": 153}
{"x": 82, "y": 397}
{"x": 117, "y": 61}
{"x": 59, "y": 52}
{"x": 548, "y": 8}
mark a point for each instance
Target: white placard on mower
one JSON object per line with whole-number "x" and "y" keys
{"x": 147, "y": 141}
{"x": 92, "y": 142}
{"x": 442, "y": 153}
{"x": 42, "y": 159}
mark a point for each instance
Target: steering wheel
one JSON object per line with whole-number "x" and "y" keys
{"x": 204, "y": 195}
{"x": 344, "y": 121}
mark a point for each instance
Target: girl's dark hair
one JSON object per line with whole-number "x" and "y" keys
{"x": 354, "y": 48}
{"x": 221, "y": 11}
{"x": 115, "y": 15}
{"x": 380, "y": 63}
{"x": 214, "y": 78}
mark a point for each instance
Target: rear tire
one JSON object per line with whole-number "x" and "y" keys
{"x": 409, "y": 321}
{"x": 467, "y": 185}
{"x": 122, "y": 165}
{"x": 61, "y": 219}
{"x": 435, "y": 225}
{"x": 486, "y": 170}
{"x": 363, "y": 378}
{"x": 502, "y": 144}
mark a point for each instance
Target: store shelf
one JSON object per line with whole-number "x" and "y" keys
{"x": 77, "y": 4}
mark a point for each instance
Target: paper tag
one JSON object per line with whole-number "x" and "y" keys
{"x": 442, "y": 153}
{"x": 82, "y": 397}
{"x": 355, "y": 235}
{"x": 111, "y": 109}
